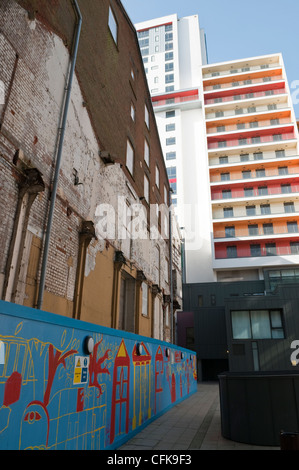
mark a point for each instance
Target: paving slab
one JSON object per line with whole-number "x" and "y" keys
{"x": 193, "y": 424}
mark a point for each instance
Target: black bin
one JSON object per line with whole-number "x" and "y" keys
{"x": 289, "y": 440}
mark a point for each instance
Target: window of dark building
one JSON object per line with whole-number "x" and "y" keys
{"x": 257, "y": 324}
{"x": 190, "y": 344}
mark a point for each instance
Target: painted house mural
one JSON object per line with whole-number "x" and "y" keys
{"x": 54, "y": 394}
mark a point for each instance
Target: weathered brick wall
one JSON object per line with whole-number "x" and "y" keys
{"x": 31, "y": 122}
{"x": 104, "y": 71}
{"x": 34, "y": 66}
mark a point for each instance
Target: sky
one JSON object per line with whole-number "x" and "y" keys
{"x": 237, "y": 29}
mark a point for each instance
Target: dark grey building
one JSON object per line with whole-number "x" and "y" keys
{"x": 243, "y": 326}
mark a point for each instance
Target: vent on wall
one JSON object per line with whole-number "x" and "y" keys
{"x": 239, "y": 349}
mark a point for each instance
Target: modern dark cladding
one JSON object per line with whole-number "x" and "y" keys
{"x": 215, "y": 344}
{"x": 212, "y": 294}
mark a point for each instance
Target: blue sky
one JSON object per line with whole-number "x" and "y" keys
{"x": 236, "y": 29}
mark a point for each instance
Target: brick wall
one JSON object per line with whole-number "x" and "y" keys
{"x": 34, "y": 65}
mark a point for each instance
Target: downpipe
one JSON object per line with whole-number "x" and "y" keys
{"x": 171, "y": 274}
{"x": 58, "y": 159}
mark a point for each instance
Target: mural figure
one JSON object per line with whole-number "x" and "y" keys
{"x": 96, "y": 367}
{"x": 45, "y": 404}
{"x": 120, "y": 393}
{"x": 142, "y": 385}
{"x": 159, "y": 374}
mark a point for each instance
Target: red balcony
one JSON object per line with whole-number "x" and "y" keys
{"x": 250, "y": 189}
{"x": 282, "y": 247}
{"x": 175, "y": 98}
{"x": 251, "y": 138}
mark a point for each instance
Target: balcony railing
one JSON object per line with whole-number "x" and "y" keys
{"x": 251, "y": 141}
{"x": 256, "y": 213}
{"x": 258, "y": 252}
{"x": 238, "y": 233}
{"x": 232, "y": 84}
{"x": 256, "y": 110}
{"x": 246, "y": 69}
{"x": 244, "y": 96}
{"x": 248, "y": 125}
{"x": 273, "y": 173}
{"x": 252, "y": 159}
{"x": 174, "y": 100}
{"x": 253, "y": 193}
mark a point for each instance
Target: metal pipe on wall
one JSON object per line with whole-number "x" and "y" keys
{"x": 59, "y": 157}
{"x": 171, "y": 274}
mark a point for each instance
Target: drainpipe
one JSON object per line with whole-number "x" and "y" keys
{"x": 58, "y": 159}
{"x": 170, "y": 265}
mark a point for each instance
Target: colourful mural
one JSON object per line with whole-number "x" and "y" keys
{"x": 55, "y": 395}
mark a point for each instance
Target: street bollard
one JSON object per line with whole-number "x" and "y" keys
{"x": 289, "y": 440}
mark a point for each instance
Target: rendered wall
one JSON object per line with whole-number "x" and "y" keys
{"x": 54, "y": 395}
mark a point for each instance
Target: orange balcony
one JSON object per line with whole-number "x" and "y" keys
{"x": 240, "y": 81}
{"x": 249, "y": 125}
{"x": 226, "y": 77}
{"x": 257, "y": 229}
{"x": 243, "y": 94}
{"x": 236, "y": 175}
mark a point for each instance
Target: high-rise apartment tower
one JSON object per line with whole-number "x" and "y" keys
{"x": 252, "y": 140}
{"x": 175, "y": 84}
{"x": 230, "y": 142}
